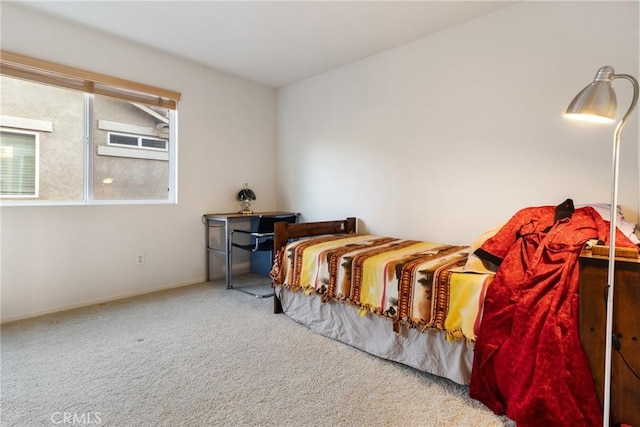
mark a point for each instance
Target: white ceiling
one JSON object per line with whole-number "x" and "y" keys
{"x": 276, "y": 43}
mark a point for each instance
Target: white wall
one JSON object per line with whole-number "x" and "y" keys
{"x": 66, "y": 256}
{"x": 439, "y": 139}
{"x": 448, "y": 136}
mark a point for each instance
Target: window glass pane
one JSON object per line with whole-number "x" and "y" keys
{"x": 18, "y": 174}
{"x": 56, "y": 116}
{"x": 129, "y": 173}
{"x": 154, "y": 143}
{"x": 123, "y": 140}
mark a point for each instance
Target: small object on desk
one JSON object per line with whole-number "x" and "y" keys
{"x": 246, "y": 195}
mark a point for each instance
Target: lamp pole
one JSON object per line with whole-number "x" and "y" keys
{"x": 612, "y": 250}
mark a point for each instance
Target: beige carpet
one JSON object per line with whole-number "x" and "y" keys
{"x": 206, "y": 356}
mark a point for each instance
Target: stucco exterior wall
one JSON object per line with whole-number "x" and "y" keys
{"x": 61, "y": 151}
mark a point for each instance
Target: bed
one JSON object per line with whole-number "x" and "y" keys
{"x": 423, "y": 313}
{"x": 509, "y": 332}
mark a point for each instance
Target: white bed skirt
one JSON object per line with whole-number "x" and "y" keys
{"x": 428, "y": 351}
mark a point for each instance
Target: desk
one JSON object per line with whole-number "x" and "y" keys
{"x": 226, "y": 221}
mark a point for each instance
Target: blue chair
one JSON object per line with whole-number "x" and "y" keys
{"x": 260, "y": 240}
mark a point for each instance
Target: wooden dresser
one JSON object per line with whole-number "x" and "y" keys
{"x": 625, "y": 388}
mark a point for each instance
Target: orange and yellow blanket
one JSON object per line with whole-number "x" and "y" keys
{"x": 416, "y": 284}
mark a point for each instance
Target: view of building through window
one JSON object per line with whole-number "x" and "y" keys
{"x": 127, "y": 171}
{"x": 43, "y": 130}
{"x": 55, "y": 117}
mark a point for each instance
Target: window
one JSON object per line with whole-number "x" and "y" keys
{"x": 70, "y": 136}
{"x": 18, "y": 164}
{"x": 137, "y": 141}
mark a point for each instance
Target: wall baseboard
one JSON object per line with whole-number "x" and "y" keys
{"x": 95, "y": 301}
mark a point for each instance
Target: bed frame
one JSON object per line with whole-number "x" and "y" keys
{"x": 285, "y": 231}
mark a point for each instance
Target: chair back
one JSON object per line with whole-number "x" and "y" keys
{"x": 266, "y": 223}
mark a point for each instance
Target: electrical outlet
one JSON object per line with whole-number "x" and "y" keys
{"x": 140, "y": 259}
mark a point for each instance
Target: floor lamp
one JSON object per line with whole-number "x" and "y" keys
{"x": 597, "y": 103}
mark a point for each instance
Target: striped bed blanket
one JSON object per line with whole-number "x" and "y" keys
{"x": 416, "y": 284}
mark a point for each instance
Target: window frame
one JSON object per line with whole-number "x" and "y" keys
{"x": 44, "y": 72}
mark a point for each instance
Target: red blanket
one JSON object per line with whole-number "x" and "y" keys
{"x": 528, "y": 360}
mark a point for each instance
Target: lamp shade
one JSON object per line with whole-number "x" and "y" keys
{"x": 246, "y": 193}
{"x": 596, "y": 102}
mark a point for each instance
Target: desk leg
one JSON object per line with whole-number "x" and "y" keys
{"x": 227, "y": 254}
{"x": 224, "y": 245}
{"x": 207, "y": 253}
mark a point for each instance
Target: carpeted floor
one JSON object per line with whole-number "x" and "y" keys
{"x": 206, "y": 356}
